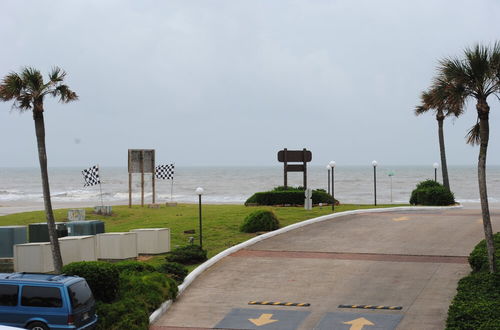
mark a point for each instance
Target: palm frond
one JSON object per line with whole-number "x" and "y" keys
{"x": 65, "y": 94}
{"x": 33, "y": 80}
{"x": 11, "y": 86}
{"x": 473, "y": 137}
{"x": 57, "y": 74}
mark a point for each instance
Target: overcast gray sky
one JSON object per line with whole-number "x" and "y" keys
{"x": 232, "y": 82}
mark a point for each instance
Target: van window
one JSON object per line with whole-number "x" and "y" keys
{"x": 8, "y": 295}
{"x": 37, "y": 296}
{"x": 80, "y": 294}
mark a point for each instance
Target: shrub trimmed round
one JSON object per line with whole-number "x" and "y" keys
{"x": 261, "y": 220}
{"x": 431, "y": 193}
{"x": 102, "y": 277}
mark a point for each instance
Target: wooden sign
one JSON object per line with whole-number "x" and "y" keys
{"x": 286, "y": 156}
{"x": 141, "y": 161}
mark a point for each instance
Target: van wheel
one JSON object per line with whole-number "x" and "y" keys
{"x": 37, "y": 326}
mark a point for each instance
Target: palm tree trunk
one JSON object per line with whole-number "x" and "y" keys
{"x": 484, "y": 132}
{"x": 444, "y": 166}
{"x": 42, "y": 156}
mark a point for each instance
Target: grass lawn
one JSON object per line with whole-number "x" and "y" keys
{"x": 220, "y": 222}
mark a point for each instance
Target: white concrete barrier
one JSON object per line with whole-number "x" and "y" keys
{"x": 152, "y": 240}
{"x": 78, "y": 248}
{"x": 118, "y": 246}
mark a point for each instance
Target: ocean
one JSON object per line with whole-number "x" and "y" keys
{"x": 353, "y": 184}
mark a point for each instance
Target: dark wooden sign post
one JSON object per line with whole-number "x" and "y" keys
{"x": 141, "y": 161}
{"x": 294, "y": 156}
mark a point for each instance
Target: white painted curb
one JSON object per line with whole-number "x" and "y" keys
{"x": 207, "y": 264}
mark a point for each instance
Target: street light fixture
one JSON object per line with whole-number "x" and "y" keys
{"x": 374, "y": 164}
{"x": 436, "y": 166}
{"x": 332, "y": 165}
{"x": 199, "y": 192}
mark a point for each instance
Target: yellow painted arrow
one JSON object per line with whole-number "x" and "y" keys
{"x": 358, "y": 324}
{"x": 401, "y": 219}
{"x": 263, "y": 320}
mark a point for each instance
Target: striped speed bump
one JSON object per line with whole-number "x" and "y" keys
{"x": 371, "y": 307}
{"x": 278, "y": 303}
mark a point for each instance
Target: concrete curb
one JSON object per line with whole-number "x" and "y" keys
{"x": 207, "y": 264}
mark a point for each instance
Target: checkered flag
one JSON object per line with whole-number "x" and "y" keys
{"x": 165, "y": 172}
{"x": 91, "y": 176}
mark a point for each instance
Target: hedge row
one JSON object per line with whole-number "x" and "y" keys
{"x": 478, "y": 259}
{"x": 475, "y": 305}
{"x": 293, "y": 196}
{"x": 126, "y": 293}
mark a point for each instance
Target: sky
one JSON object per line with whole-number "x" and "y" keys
{"x": 230, "y": 83}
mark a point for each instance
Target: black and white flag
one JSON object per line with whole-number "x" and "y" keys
{"x": 91, "y": 176}
{"x": 165, "y": 172}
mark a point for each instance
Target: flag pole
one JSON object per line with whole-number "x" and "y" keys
{"x": 100, "y": 187}
{"x": 172, "y": 184}
{"x": 171, "y": 190}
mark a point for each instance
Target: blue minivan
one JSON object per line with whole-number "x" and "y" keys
{"x": 46, "y": 302}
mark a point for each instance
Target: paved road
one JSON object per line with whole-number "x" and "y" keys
{"x": 411, "y": 260}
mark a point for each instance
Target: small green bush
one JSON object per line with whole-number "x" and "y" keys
{"x": 476, "y": 304}
{"x": 291, "y": 195}
{"x": 261, "y": 220}
{"x": 431, "y": 193}
{"x": 175, "y": 270}
{"x": 102, "y": 277}
{"x": 478, "y": 259}
{"x": 187, "y": 255}
{"x": 134, "y": 266}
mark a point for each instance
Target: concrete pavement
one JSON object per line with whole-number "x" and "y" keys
{"x": 411, "y": 260}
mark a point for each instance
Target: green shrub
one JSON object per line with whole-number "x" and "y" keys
{"x": 140, "y": 294}
{"x": 134, "y": 266}
{"x": 431, "y": 193}
{"x": 102, "y": 277}
{"x": 187, "y": 255}
{"x": 478, "y": 259}
{"x": 476, "y": 304}
{"x": 261, "y": 220}
{"x": 428, "y": 184}
{"x": 175, "y": 270}
{"x": 293, "y": 196}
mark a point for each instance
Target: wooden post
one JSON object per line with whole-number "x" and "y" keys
{"x": 153, "y": 183}
{"x": 305, "y": 167}
{"x": 142, "y": 178}
{"x": 285, "y": 169}
{"x": 153, "y": 178}
{"x": 129, "y": 189}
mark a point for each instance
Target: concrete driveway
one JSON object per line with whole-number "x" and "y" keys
{"x": 401, "y": 268}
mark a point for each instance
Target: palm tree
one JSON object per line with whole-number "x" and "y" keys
{"x": 437, "y": 98}
{"x": 28, "y": 91}
{"x": 476, "y": 76}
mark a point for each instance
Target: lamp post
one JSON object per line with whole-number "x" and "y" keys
{"x": 391, "y": 174}
{"x": 328, "y": 169}
{"x": 436, "y": 166}
{"x": 199, "y": 192}
{"x": 332, "y": 165}
{"x": 374, "y": 163}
